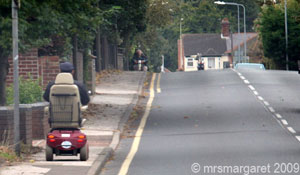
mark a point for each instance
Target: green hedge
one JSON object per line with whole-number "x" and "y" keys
{"x": 30, "y": 91}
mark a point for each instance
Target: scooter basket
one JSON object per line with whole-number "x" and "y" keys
{"x": 61, "y": 113}
{"x": 64, "y": 112}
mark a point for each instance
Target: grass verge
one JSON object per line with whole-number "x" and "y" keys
{"x": 7, "y": 155}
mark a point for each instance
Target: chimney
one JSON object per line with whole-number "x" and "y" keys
{"x": 225, "y": 28}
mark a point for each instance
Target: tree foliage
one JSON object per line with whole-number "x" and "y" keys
{"x": 152, "y": 25}
{"x": 49, "y": 25}
{"x": 271, "y": 27}
{"x": 163, "y": 25}
{"x": 202, "y": 17}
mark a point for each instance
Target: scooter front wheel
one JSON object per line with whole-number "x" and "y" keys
{"x": 49, "y": 153}
{"x": 84, "y": 152}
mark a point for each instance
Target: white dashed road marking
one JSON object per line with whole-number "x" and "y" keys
{"x": 260, "y": 98}
{"x": 278, "y": 116}
{"x": 266, "y": 103}
{"x": 246, "y": 81}
{"x": 251, "y": 87}
{"x": 284, "y": 122}
{"x": 291, "y": 130}
{"x": 271, "y": 109}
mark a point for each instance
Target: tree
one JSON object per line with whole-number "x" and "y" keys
{"x": 28, "y": 35}
{"x": 271, "y": 27}
{"x": 131, "y": 21}
{"x": 42, "y": 21}
{"x": 202, "y": 17}
{"x": 252, "y": 10}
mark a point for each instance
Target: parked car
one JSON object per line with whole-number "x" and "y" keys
{"x": 257, "y": 66}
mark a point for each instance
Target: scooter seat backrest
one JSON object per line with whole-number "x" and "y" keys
{"x": 64, "y": 78}
{"x": 64, "y": 103}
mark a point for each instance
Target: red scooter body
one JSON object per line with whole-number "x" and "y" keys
{"x": 65, "y": 137}
{"x": 67, "y": 142}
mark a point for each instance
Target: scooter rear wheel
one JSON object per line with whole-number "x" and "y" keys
{"x": 84, "y": 152}
{"x": 49, "y": 153}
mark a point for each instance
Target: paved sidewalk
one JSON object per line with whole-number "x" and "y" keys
{"x": 116, "y": 95}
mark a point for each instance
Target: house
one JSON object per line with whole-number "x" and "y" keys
{"x": 215, "y": 51}
{"x": 209, "y": 48}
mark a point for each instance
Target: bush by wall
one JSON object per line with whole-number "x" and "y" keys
{"x": 30, "y": 91}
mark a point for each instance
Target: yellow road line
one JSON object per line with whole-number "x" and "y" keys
{"x": 138, "y": 134}
{"x": 158, "y": 84}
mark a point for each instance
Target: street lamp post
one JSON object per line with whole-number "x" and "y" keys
{"x": 181, "y": 44}
{"x": 239, "y": 32}
{"x": 245, "y": 36}
{"x": 286, "y": 36}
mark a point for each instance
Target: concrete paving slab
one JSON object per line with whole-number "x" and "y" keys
{"x": 115, "y": 95}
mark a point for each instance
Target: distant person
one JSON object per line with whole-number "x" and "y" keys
{"x": 67, "y": 67}
{"x": 139, "y": 55}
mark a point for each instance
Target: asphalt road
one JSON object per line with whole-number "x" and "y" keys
{"x": 214, "y": 121}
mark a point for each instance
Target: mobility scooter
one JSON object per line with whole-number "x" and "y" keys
{"x": 65, "y": 137}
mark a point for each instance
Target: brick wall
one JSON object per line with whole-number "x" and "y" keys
{"x": 28, "y": 63}
{"x": 46, "y": 68}
{"x": 6, "y": 125}
{"x": 33, "y": 123}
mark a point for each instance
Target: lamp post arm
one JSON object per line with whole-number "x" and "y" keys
{"x": 245, "y": 34}
{"x": 230, "y": 3}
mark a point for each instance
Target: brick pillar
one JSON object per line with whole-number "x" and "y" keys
{"x": 180, "y": 52}
{"x": 225, "y": 28}
{"x": 40, "y": 125}
{"x": 120, "y": 61}
{"x": 91, "y": 81}
{"x": 79, "y": 69}
{"x": 26, "y": 124}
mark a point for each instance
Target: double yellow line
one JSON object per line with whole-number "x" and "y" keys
{"x": 138, "y": 134}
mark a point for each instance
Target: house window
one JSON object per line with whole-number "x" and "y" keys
{"x": 190, "y": 62}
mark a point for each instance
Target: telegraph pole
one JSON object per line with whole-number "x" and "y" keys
{"x": 16, "y": 76}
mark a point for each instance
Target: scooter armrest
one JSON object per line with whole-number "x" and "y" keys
{"x": 82, "y": 122}
{"x": 83, "y": 108}
{"x": 46, "y": 109}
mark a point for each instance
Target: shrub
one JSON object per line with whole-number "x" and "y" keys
{"x": 29, "y": 91}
